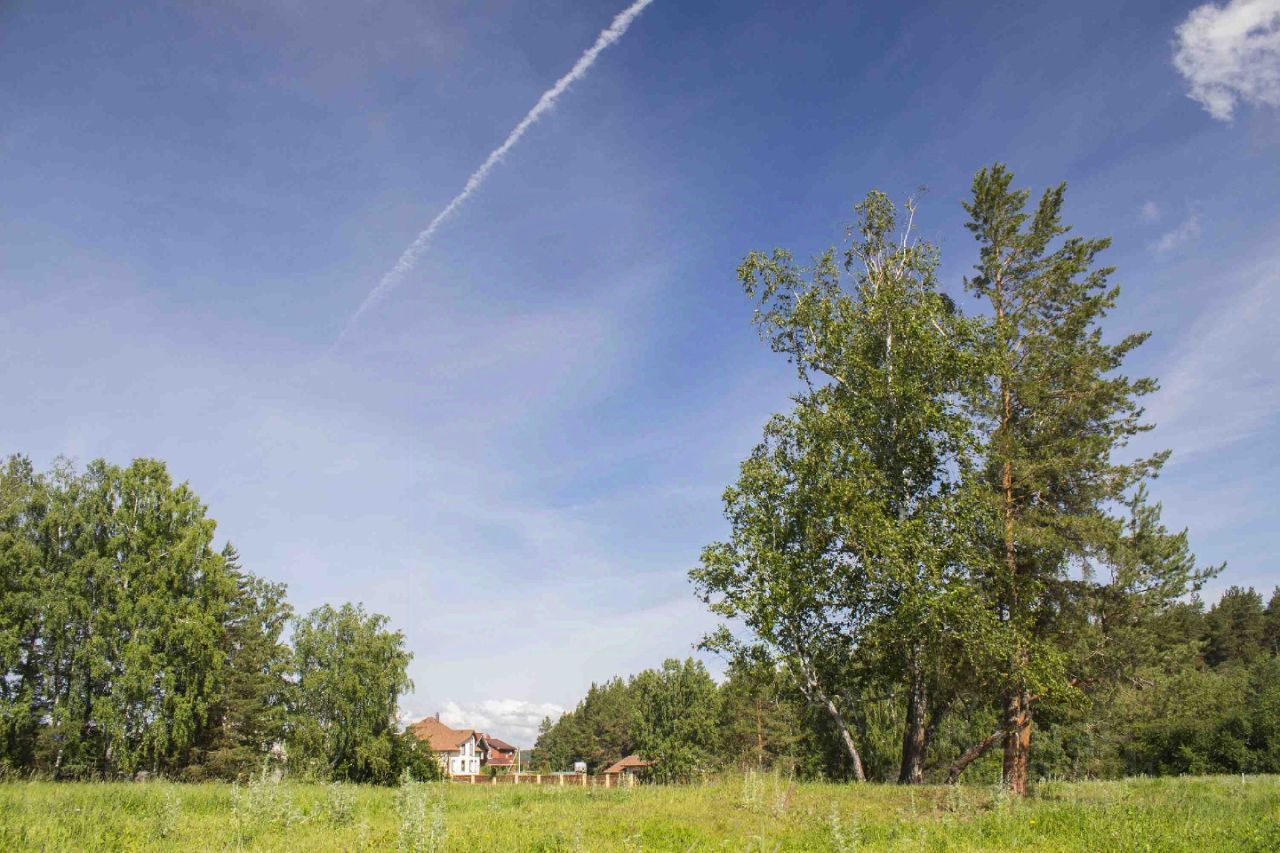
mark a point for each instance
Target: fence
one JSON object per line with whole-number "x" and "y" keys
{"x": 564, "y": 780}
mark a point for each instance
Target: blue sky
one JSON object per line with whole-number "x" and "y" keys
{"x": 519, "y": 453}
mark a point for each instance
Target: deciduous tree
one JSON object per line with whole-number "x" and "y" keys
{"x": 851, "y": 545}
{"x": 351, "y": 672}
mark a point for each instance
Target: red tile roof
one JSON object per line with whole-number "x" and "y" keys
{"x": 441, "y": 737}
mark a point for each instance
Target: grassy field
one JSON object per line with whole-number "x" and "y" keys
{"x": 752, "y": 813}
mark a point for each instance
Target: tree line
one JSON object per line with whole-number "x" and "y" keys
{"x": 950, "y": 517}
{"x": 670, "y": 714}
{"x": 130, "y": 644}
{"x": 1205, "y": 699}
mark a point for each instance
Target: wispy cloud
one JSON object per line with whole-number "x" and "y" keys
{"x": 1187, "y": 230}
{"x": 1150, "y": 212}
{"x": 1225, "y": 383}
{"x": 1231, "y": 54}
{"x": 545, "y": 103}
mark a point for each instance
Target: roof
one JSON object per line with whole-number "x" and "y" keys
{"x": 439, "y": 736}
{"x": 631, "y": 762}
{"x": 500, "y": 745}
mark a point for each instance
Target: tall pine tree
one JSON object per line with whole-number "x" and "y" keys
{"x": 1055, "y": 412}
{"x": 250, "y": 716}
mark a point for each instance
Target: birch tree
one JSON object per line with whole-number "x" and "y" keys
{"x": 351, "y": 671}
{"x": 851, "y": 521}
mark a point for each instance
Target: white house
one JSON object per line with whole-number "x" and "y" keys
{"x": 458, "y": 750}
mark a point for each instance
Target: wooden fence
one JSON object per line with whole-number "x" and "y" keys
{"x": 564, "y": 780}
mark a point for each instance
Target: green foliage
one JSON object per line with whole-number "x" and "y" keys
{"x": 761, "y": 724}
{"x": 264, "y": 804}
{"x": 1236, "y": 628}
{"x": 350, "y": 673}
{"x": 114, "y": 614}
{"x": 677, "y": 710}
{"x": 853, "y": 524}
{"x": 252, "y": 713}
{"x": 1204, "y": 719}
{"x": 412, "y": 758}
{"x": 670, "y": 715}
{"x": 601, "y": 730}
{"x": 129, "y": 645}
{"x": 1054, "y": 410}
{"x": 23, "y": 504}
{"x": 339, "y": 804}
{"x": 932, "y": 529}
{"x": 1271, "y": 627}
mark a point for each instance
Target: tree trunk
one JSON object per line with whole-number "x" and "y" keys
{"x": 1017, "y": 742}
{"x": 1017, "y": 723}
{"x": 813, "y": 690}
{"x": 847, "y": 739}
{"x": 915, "y": 737}
{"x": 972, "y": 754}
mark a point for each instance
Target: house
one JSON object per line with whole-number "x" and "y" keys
{"x": 497, "y": 753}
{"x": 631, "y": 766}
{"x": 458, "y": 750}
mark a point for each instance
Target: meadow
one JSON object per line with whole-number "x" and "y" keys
{"x": 748, "y": 813}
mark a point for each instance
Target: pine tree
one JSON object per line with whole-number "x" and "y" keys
{"x": 251, "y": 714}
{"x": 1235, "y": 628}
{"x": 1054, "y": 413}
{"x": 1271, "y": 632}
{"x": 676, "y": 712}
{"x": 759, "y": 725}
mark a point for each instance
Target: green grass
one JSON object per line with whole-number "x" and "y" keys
{"x": 759, "y": 813}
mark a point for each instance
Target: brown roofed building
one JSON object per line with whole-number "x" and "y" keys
{"x": 458, "y": 750}
{"x": 497, "y": 753}
{"x": 632, "y": 765}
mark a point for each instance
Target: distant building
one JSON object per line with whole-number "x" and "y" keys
{"x": 498, "y": 753}
{"x": 632, "y": 765}
{"x": 458, "y": 750}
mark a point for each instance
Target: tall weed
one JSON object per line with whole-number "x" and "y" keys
{"x": 420, "y": 807}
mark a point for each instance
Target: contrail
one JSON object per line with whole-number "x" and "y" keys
{"x": 410, "y": 257}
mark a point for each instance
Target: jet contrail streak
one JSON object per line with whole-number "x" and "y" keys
{"x": 389, "y": 281}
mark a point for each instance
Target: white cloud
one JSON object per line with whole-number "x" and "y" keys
{"x": 1187, "y": 231}
{"x": 1151, "y": 212}
{"x": 513, "y": 720}
{"x": 1231, "y": 54}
